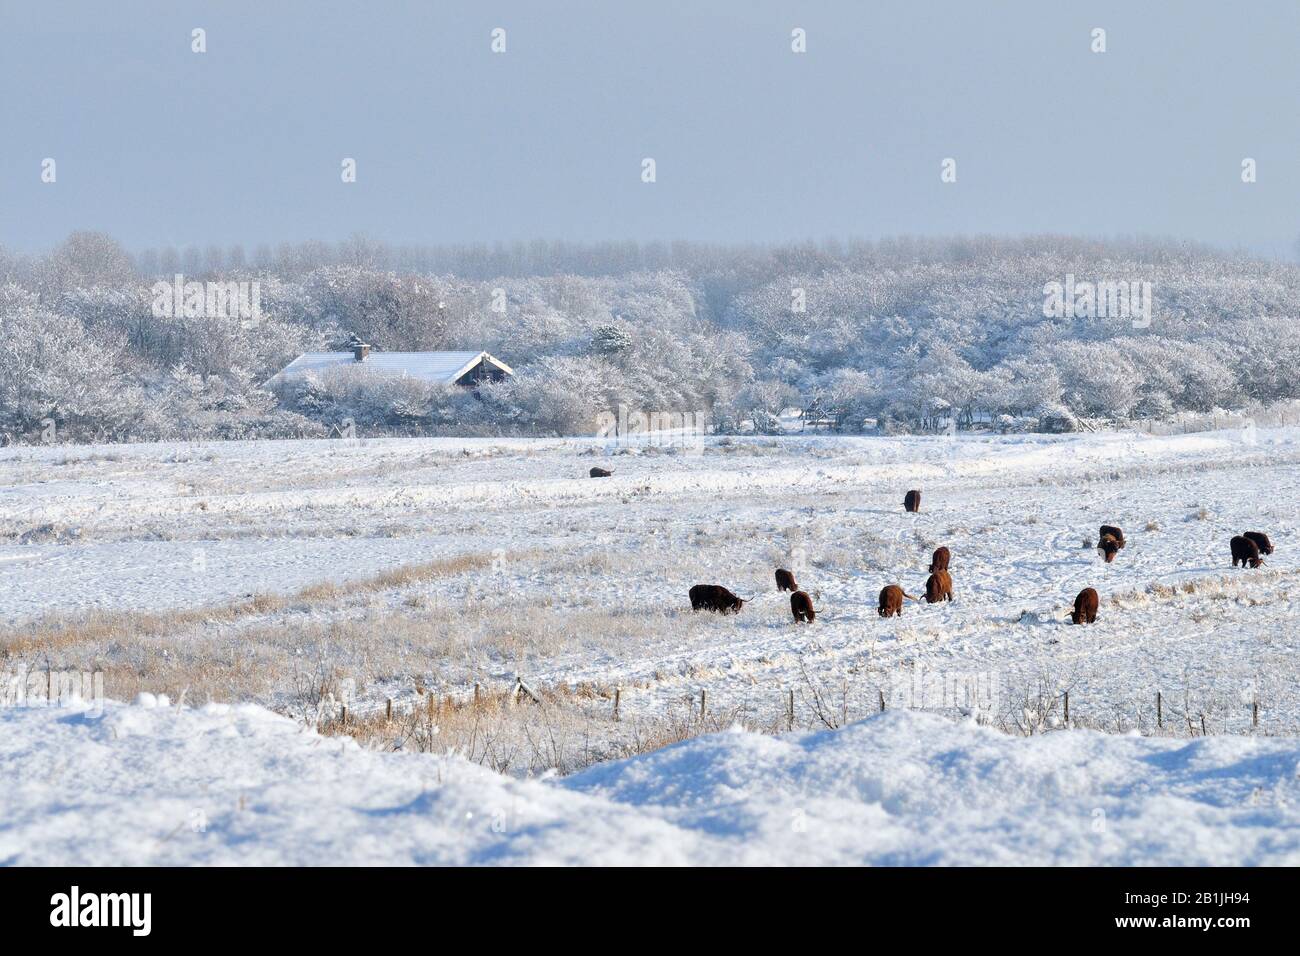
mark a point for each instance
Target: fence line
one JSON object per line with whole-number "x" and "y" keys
{"x": 1260, "y": 417}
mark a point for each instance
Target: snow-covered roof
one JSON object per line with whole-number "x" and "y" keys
{"x": 439, "y": 367}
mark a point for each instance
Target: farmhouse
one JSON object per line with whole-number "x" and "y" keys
{"x": 467, "y": 369}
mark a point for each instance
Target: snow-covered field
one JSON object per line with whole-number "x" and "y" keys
{"x": 238, "y": 785}
{"x": 569, "y": 579}
{"x": 302, "y": 575}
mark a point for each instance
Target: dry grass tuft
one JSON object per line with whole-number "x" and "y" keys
{"x": 104, "y": 626}
{"x": 564, "y": 731}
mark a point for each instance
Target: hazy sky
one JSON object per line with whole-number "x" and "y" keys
{"x": 158, "y": 145}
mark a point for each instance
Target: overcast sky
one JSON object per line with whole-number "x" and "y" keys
{"x": 158, "y": 145}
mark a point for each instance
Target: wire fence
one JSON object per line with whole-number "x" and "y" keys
{"x": 1271, "y": 416}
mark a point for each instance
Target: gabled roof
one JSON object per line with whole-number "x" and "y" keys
{"x": 439, "y": 367}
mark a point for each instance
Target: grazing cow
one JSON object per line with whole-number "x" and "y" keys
{"x": 1108, "y": 546}
{"x": 939, "y": 560}
{"x": 912, "y": 500}
{"x": 938, "y": 587}
{"x": 1261, "y": 541}
{"x": 1114, "y": 532}
{"x": 714, "y": 597}
{"x": 785, "y": 580}
{"x": 891, "y": 600}
{"x": 801, "y": 607}
{"x": 1085, "y": 607}
{"x": 601, "y": 473}
{"x": 1245, "y": 551}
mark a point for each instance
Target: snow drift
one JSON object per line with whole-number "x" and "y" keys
{"x": 156, "y": 784}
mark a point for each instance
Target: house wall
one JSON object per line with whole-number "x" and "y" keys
{"x": 482, "y": 372}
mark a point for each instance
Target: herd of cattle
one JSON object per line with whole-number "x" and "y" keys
{"x": 1247, "y": 550}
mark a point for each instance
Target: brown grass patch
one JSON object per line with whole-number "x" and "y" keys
{"x": 564, "y": 731}
{"x": 62, "y": 632}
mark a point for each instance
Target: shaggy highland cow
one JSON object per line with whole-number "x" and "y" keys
{"x": 1245, "y": 552}
{"x": 714, "y": 597}
{"x": 938, "y": 587}
{"x": 939, "y": 560}
{"x": 801, "y": 607}
{"x": 891, "y": 600}
{"x": 912, "y": 500}
{"x": 601, "y": 473}
{"x": 1261, "y": 541}
{"x": 1114, "y": 532}
{"x": 1085, "y": 607}
{"x": 1108, "y": 546}
{"x": 785, "y": 580}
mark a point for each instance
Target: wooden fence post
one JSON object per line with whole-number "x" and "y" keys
{"x": 618, "y": 693}
{"x": 1067, "y": 708}
{"x": 703, "y": 702}
{"x": 388, "y": 710}
{"x": 789, "y": 711}
{"x": 882, "y": 699}
{"x": 1160, "y": 714}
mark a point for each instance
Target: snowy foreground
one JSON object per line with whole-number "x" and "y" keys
{"x": 239, "y": 785}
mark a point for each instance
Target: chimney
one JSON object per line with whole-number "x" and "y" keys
{"x": 360, "y": 350}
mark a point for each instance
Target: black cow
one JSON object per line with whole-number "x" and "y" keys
{"x": 1261, "y": 541}
{"x": 1245, "y": 552}
{"x": 801, "y": 607}
{"x": 714, "y": 597}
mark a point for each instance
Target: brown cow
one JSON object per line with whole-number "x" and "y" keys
{"x": 785, "y": 580}
{"x": 1085, "y": 607}
{"x": 1108, "y": 546}
{"x": 891, "y": 600}
{"x": 1245, "y": 551}
{"x": 912, "y": 500}
{"x": 801, "y": 607}
{"x": 1261, "y": 541}
{"x": 714, "y": 597}
{"x": 938, "y": 587}
{"x": 939, "y": 560}
{"x": 1114, "y": 532}
{"x": 601, "y": 473}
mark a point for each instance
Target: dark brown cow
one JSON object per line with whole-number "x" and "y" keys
{"x": 938, "y": 587}
{"x": 601, "y": 473}
{"x": 1261, "y": 541}
{"x": 714, "y": 597}
{"x": 912, "y": 500}
{"x": 891, "y": 600}
{"x": 1114, "y": 532}
{"x": 1245, "y": 551}
{"x": 785, "y": 580}
{"x": 1085, "y": 607}
{"x": 939, "y": 560}
{"x": 1108, "y": 546}
{"x": 801, "y": 607}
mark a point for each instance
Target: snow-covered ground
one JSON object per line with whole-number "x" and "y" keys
{"x": 142, "y": 785}
{"x": 153, "y": 564}
{"x": 570, "y": 581}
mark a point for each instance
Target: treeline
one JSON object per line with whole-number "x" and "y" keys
{"x": 896, "y": 335}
